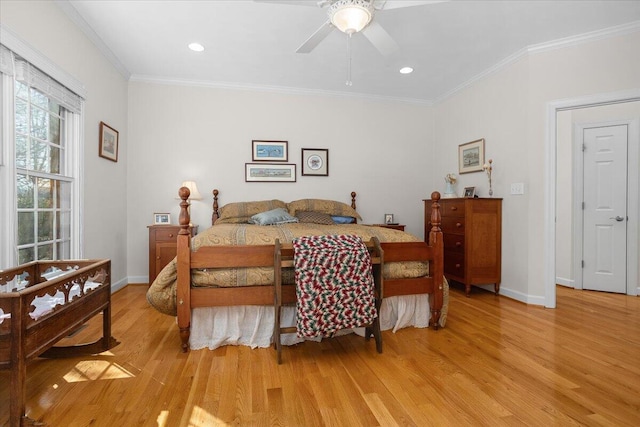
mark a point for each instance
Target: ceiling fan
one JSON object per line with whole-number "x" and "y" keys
{"x": 354, "y": 16}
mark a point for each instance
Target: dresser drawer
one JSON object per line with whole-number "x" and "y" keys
{"x": 452, "y": 208}
{"x": 168, "y": 235}
{"x": 454, "y": 225}
{"x": 453, "y": 242}
{"x": 454, "y": 263}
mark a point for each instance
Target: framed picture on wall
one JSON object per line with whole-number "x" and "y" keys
{"x": 315, "y": 161}
{"x": 108, "y": 145}
{"x": 471, "y": 156}
{"x": 269, "y": 172}
{"x": 269, "y": 151}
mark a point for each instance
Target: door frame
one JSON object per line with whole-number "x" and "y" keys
{"x": 549, "y": 189}
{"x": 578, "y": 185}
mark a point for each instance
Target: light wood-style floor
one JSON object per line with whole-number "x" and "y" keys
{"x": 497, "y": 362}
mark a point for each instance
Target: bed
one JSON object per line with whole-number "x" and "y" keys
{"x": 216, "y": 307}
{"x": 42, "y": 302}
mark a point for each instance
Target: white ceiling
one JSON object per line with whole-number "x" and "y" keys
{"x": 252, "y": 44}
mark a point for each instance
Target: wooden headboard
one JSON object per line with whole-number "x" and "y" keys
{"x": 216, "y": 214}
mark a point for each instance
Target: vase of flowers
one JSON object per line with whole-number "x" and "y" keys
{"x": 450, "y": 191}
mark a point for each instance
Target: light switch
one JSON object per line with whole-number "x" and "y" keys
{"x": 517, "y": 188}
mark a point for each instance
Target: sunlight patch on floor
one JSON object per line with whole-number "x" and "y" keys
{"x": 91, "y": 370}
{"x": 201, "y": 418}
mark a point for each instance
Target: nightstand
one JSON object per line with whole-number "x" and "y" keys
{"x": 392, "y": 226}
{"x": 163, "y": 246}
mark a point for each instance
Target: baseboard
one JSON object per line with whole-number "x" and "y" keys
{"x": 565, "y": 282}
{"x": 115, "y": 287}
{"x": 519, "y": 296}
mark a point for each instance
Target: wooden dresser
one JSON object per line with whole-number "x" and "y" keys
{"x": 472, "y": 232}
{"x": 162, "y": 246}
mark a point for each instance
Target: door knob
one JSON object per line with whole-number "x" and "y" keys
{"x": 617, "y": 218}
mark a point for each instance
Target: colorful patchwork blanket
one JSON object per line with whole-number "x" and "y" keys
{"x": 334, "y": 284}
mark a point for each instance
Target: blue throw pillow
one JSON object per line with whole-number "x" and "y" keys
{"x": 343, "y": 219}
{"x": 272, "y": 217}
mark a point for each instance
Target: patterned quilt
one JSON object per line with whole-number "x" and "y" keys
{"x": 162, "y": 292}
{"x": 334, "y": 285}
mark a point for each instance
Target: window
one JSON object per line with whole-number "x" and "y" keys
{"x": 43, "y": 182}
{"x": 39, "y": 164}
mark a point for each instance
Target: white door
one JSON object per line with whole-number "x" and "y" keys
{"x": 605, "y": 209}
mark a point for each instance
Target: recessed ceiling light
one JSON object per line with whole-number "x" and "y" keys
{"x": 196, "y": 47}
{"x": 406, "y": 70}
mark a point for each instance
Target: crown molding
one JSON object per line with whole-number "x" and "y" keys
{"x": 73, "y": 14}
{"x": 576, "y": 40}
{"x": 273, "y": 89}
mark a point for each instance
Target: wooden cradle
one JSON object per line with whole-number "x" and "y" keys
{"x": 189, "y": 297}
{"x": 36, "y": 313}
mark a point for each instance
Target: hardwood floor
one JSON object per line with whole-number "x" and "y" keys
{"x": 497, "y": 362}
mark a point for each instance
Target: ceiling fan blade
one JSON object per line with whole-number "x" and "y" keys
{"x": 315, "y": 39}
{"x": 379, "y": 37}
{"x": 397, "y": 4}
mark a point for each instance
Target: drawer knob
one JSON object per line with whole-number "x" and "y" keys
{"x": 157, "y": 257}
{"x": 458, "y": 224}
{"x": 457, "y": 265}
{"x": 170, "y": 234}
{"x": 458, "y": 244}
{"x": 454, "y": 208}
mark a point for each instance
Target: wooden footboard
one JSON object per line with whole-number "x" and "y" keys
{"x": 37, "y": 313}
{"x": 225, "y": 256}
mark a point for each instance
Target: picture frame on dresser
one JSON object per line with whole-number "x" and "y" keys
{"x": 471, "y": 156}
{"x": 469, "y": 192}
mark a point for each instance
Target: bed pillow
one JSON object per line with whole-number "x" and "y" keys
{"x": 272, "y": 217}
{"x": 314, "y": 217}
{"x": 241, "y": 212}
{"x": 330, "y": 207}
{"x": 343, "y": 219}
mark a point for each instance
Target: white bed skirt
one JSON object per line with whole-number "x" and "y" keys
{"x": 213, "y": 327}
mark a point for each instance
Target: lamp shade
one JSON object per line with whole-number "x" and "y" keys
{"x": 193, "y": 189}
{"x": 351, "y": 16}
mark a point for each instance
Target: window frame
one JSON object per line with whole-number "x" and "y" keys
{"x": 73, "y": 154}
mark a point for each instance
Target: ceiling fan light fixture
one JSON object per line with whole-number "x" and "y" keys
{"x": 406, "y": 70}
{"x": 351, "y": 16}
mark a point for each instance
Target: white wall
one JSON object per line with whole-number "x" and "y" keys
{"x": 177, "y": 133}
{"x": 43, "y": 26}
{"x": 508, "y": 108}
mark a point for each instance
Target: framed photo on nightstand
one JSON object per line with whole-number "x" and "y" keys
{"x": 162, "y": 218}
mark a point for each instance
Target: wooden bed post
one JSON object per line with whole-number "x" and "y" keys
{"x": 436, "y": 241}
{"x": 183, "y": 290}
{"x": 215, "y": 215}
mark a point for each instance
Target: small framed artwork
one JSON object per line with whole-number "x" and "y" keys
{"x": 108, "y": 146}
{"x": 469, "y": 192}
{"x": 162, "y": 218}
{"x": 264, "y": 172}
{"x": 269, "y": 151}
{"x": 315, "y": 161}
{"x": 388, "y": 219}
{"x": 471, "y": 156}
